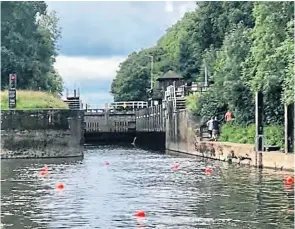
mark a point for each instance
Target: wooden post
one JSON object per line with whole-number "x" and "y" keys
{"x": 106, "y": 115}
{"x": 259, "y": 129}
{"x": 289, "y": 128}
{"x": 286, "y": 145}
{"x": 292, "y": 128}
{"x": 293, "y": 117}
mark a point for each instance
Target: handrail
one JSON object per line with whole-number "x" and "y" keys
{"x": 129, "y": 104}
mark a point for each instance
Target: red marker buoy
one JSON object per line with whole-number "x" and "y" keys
{"x": 140, "y": 213}
{"x": 208, "y": 171}
{"x": 175, "y": 166}
{"x": 106, "y": 163}
{"x": 42, "y": 173}
{"x": 60, "y": 186}
{"x": 289, "y": 180}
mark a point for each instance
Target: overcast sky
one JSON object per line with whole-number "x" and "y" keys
{"x": 97, "y": 36}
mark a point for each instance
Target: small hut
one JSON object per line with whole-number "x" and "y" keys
{"x": 168, "y": 79}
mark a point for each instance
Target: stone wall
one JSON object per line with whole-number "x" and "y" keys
{"x": 220, "y": 150}
{"x": 41, "y": 134}
{"x": 182, "y": 136}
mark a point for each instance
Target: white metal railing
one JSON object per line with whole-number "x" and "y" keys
{"x": 129, "y": 105}
{"x": 90, "y": 110}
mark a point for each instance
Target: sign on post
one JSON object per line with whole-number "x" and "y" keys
{"x": 12, "y": 91}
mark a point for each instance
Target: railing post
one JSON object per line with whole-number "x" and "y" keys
{"x": 106, "y": 114}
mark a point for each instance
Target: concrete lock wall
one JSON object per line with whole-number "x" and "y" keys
{"x": 183, "y": 135}
{"x": 42, "y": 134}
{"x": 181, "y": 127}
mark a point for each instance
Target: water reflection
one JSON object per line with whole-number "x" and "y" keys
{"x": 99, "y": 196}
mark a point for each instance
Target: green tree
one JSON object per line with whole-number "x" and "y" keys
{"x": 228, "y": 83}
{"x": 285, "y": 54}
{"x": 28, "y": 45}
{"x": 208, "y": 27}
{"x": 264, "y": 68}
{"x": 132, "y": 79}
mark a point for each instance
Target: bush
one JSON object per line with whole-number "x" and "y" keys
{"x": 191, "y": 103}
{"x": 274, "y": 134}
{"x": 30, "y": 100}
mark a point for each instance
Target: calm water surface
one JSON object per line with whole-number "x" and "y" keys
{"x": 99, "y": 196}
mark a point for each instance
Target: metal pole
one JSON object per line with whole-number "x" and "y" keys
{"x": 206, "y": 76}
{"x": 293, "y": 142}
{"x": 259, "y": 129}
{"x": 152, "y": 68}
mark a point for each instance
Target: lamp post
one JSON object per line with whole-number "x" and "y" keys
{"x": 152, "y": 66}
{"x": 206, "y": 74}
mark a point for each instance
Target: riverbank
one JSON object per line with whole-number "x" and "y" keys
{"x": 32, "y": 100}
{"x": 219, "y": 150}
{"x": 184, "y": 137}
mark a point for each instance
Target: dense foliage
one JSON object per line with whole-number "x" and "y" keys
{"x": 246, "y": 134}
{"x": 246, "y": 47}
{"x": 29, "y": 35}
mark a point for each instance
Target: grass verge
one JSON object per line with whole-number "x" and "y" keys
{"x": 274, "y": 134}
{"x": 32, "y": 100}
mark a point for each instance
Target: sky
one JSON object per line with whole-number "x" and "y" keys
{"x": 98, "y": 36}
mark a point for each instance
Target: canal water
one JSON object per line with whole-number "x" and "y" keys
{"x": 96, "y": 195}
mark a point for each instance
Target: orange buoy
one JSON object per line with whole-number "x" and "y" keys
{"x": 140, "y": 213}
{"x": 208, "y": 171}
{"x": 175, "y": 166}
{"x": 60, "y": 186}
{"x": 43, "y": 173}
{"x": 289, "y": 180}
{"x": 106, "y": 163}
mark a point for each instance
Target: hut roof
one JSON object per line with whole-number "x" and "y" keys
{"x": 169, "y": 75}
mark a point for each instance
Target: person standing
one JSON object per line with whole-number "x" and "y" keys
{"x": 210, "y": 126}
{"x": 215, "y": 129}
{"x": 228, "y": 116}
